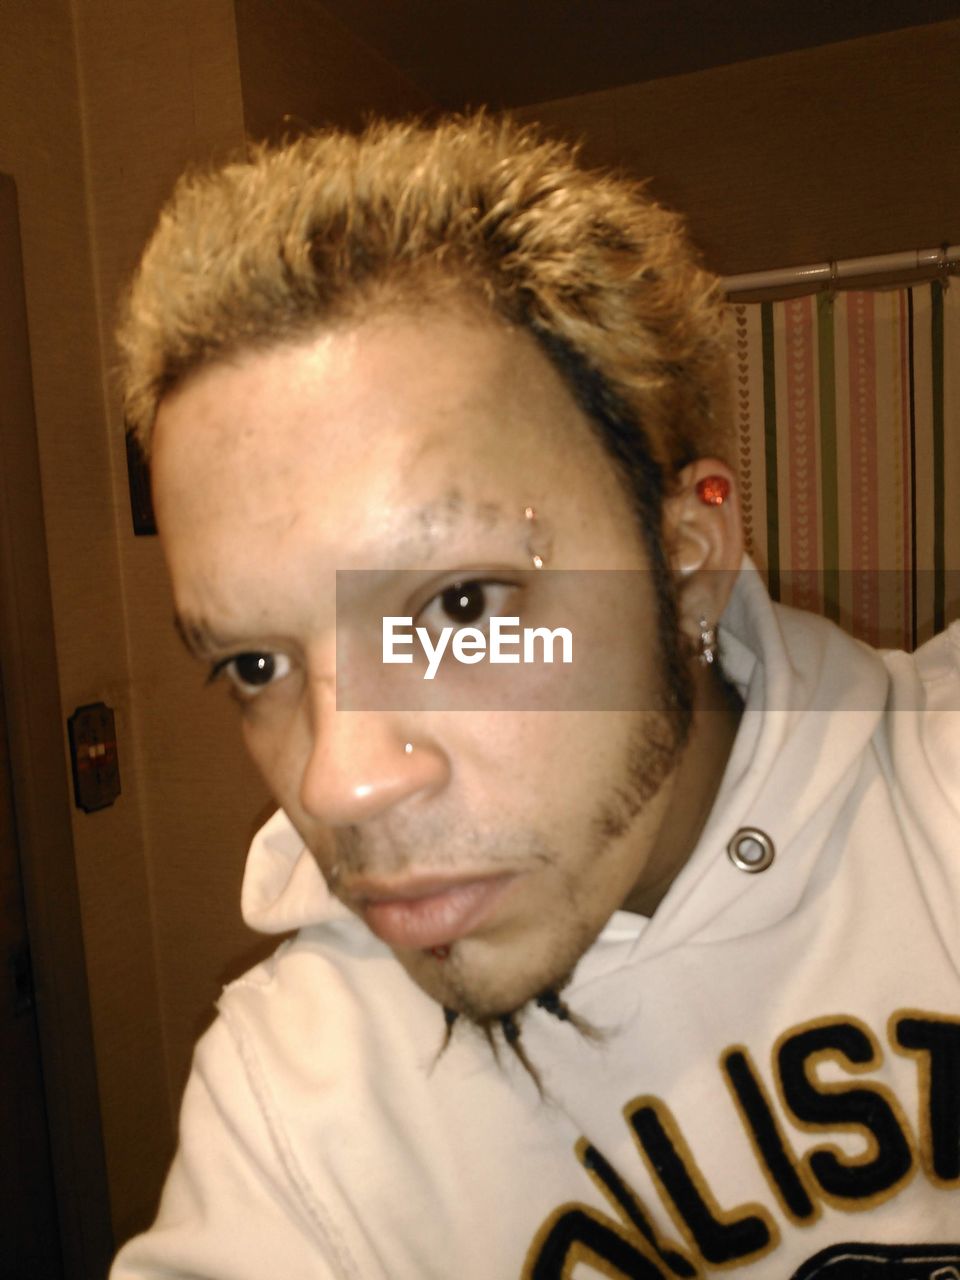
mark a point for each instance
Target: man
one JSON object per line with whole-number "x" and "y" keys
{"x": 642, "y": 964}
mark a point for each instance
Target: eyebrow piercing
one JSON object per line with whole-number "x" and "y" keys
{"x": 539, "y": 545}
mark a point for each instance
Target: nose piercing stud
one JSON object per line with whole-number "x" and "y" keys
{"x": 408, "y": 748}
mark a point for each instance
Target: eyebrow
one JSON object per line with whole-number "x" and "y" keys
{"x": 198, "y": 638}
{"x": 436, "y": 520}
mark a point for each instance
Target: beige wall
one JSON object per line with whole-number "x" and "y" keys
{"x": 840, "y": 151}
{"x": 102, "y": 102}
{"x": 161, "y": 88}
{"x": 297, "y": 60}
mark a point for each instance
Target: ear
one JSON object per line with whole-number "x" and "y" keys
{"x": 704, "y": 543}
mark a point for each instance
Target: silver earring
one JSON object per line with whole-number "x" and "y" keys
{"x": 333, "y": 879}
{"x": 707, "y": 648}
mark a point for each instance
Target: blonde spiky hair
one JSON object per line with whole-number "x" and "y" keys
{"x": 333, "y": 226}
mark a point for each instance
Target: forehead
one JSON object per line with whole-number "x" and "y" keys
{"x": 391, "y": 430}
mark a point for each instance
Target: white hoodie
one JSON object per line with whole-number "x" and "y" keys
{"x": 779, "y": 1074}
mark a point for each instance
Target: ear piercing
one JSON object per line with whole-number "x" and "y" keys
{"x": 713, "y": 491}
{"x": 539, "y": 545}
{"x": 707, "y": 647}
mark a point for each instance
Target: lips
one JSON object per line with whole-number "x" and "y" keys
{"x": 428, "y": 913}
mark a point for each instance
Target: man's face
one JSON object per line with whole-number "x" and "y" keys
{"x": 488, "y": 846}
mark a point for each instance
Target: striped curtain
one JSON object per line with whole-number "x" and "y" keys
{"x": 848, "y": 421}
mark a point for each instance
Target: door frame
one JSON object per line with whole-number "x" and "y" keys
{"x": 41, "y": 795}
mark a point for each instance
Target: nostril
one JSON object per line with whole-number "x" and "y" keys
{"x": 359, "y": 766}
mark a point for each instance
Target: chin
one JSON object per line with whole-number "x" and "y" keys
{"x": 483, "y": 986}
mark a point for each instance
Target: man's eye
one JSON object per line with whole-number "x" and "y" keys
{"x": 466, "y": 604}
{"x": 251, "y": 672}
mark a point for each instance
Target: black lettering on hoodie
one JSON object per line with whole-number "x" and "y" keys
{"x": 935, "y": 1041}
{"x": 866, "y": 1109}
{"x": 721, "y": 1237}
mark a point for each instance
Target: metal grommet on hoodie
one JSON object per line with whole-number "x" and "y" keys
{"x": 751, "y": 850}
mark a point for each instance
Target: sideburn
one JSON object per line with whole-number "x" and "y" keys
{"x": 645, "y": 483}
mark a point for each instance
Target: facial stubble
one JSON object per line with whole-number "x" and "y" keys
{"x": 650, "y": 756}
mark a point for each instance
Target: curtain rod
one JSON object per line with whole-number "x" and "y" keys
{"x": 886, "y": 264}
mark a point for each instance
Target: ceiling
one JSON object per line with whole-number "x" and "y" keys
{"x": 512, "y": 53}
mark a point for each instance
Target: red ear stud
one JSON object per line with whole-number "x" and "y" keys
{"x": 713, "y": 491}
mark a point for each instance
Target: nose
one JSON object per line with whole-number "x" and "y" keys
{"x": 360, "y": 764}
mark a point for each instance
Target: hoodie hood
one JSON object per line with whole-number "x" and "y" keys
{"x": 813, "y": 698}
{"x": 283, "y": 887}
